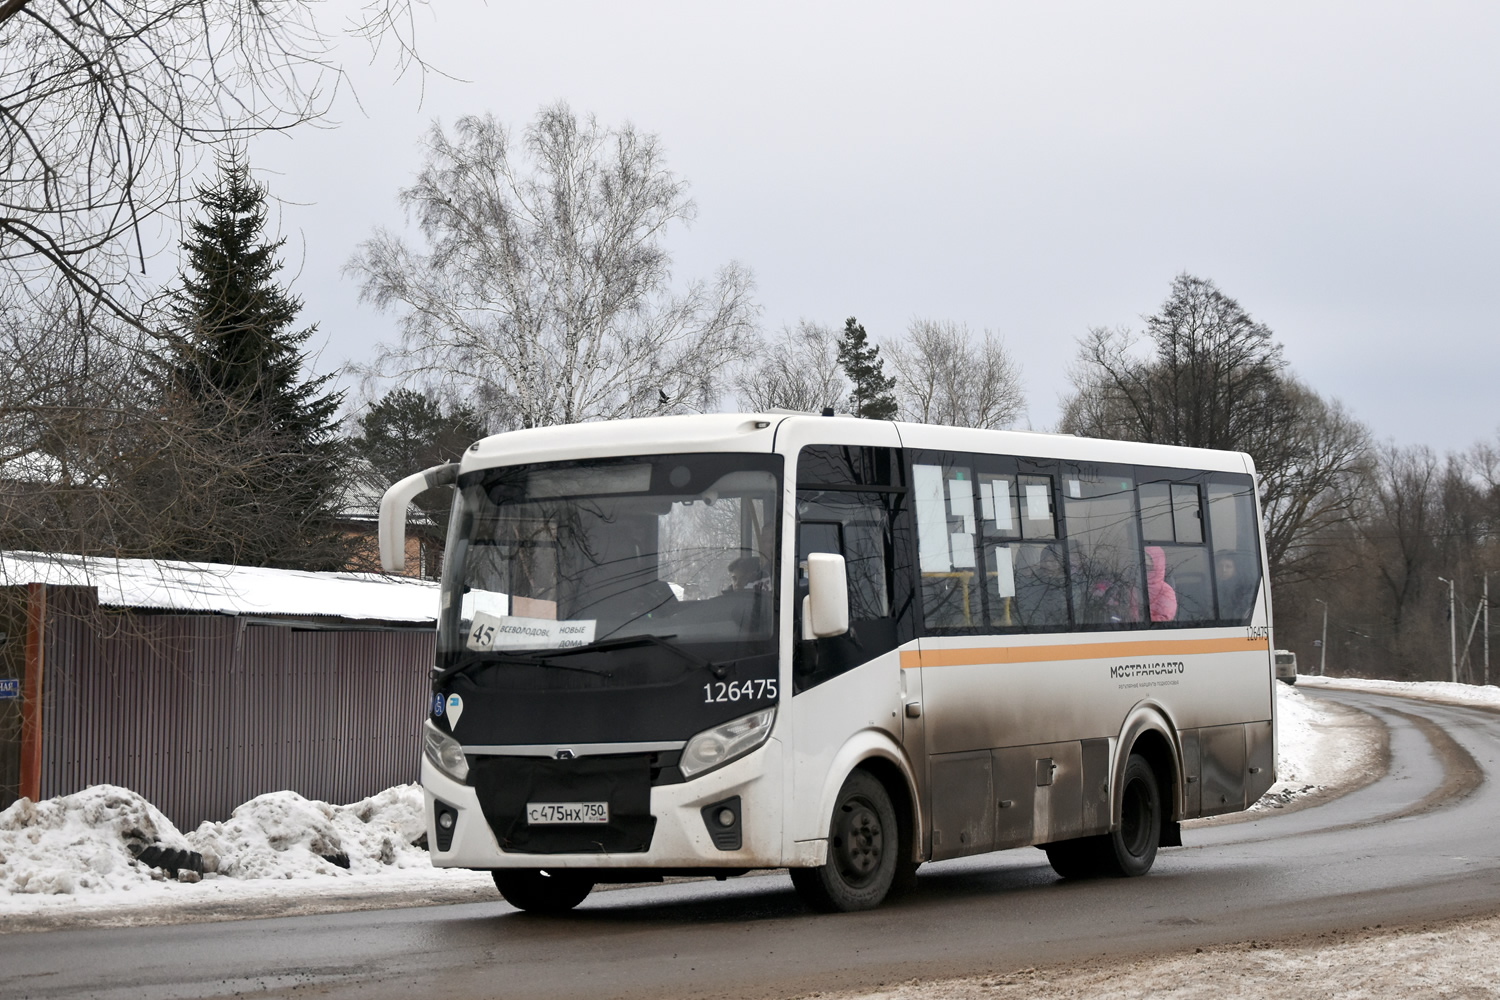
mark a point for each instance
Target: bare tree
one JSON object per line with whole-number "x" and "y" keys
{"x": 1207, "y": 375}
{"x": 1210, "y": 376}
{"x": 543, "y": 295}
{"x": 944, "y": 375}
{"x": 1317, "y": 484}
{"x": 105, "y": 109}
{"x": 798, "y": 371}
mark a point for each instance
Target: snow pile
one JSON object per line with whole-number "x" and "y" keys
{"x": 283, "y": 835}
{"x": 1304, "y": 745}
{"x": 1315, "y": 749}
{"x": 1485, "y": 695}
{"x": 85, "y": 842}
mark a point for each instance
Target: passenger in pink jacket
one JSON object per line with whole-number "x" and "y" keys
{"x": 1158, "y": 591}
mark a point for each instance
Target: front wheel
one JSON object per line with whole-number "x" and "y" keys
{"x": 862, "y": 851}
{"x": 542, "y": 891}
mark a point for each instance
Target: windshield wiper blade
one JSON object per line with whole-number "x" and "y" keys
{"x": 624, "y": 642}
{"x": 648, "y": 639}
{"x": 511, "y": 659}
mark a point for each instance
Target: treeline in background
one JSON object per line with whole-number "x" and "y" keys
{"x": 535, "y": 288}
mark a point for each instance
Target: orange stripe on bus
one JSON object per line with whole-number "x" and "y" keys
{"x": 1076, "y": 651}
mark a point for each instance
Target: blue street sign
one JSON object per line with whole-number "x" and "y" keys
{"x": 10, "y": 688}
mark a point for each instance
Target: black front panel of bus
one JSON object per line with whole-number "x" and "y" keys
{"x": 637, "y": 695}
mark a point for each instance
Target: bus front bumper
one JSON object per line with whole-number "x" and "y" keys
{"x": 682, "y": 837}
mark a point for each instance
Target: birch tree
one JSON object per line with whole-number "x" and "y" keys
{"x": 945, "y": 375}
{"x": 799, "y": 370}
{"x": 540, "y": 290}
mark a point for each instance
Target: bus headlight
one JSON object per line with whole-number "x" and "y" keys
{"x": 446, "y": 753}
{"x": 722, "y": 744}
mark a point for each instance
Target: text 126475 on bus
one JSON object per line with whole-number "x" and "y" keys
{"x": 713, "y": 644}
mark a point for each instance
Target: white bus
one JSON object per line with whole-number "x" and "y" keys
{"x": 712, "y": 644}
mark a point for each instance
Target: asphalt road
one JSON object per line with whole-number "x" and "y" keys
{"x": 1420, "y": 843}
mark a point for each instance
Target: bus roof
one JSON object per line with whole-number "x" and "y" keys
{"x": 759, "y": 432}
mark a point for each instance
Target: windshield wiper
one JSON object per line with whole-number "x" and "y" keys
{"x": 660, "y": 641}
{"x": 509, "y": 659}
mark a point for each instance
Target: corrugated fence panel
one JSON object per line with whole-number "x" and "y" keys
{"x": 200, "y": 713}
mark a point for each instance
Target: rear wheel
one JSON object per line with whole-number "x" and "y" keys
{"x": 1131, "y": 849}
{"x": 1076, "y": 858}
{"x": 542, "y": 891}
{"x": 862, "y": 851}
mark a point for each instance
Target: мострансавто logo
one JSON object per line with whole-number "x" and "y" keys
{"x": 1157, "y": 669}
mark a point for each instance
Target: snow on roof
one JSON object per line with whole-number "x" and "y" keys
{"x": 230, "y": 590}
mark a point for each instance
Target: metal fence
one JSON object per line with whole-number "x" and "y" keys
{"x": 199, "y": 713}
{"x": 12, "y": 669}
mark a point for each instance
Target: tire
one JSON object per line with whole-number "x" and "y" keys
{"x": 542, "y": 891}
{"x": 1131, "y": 849}
{"x": 1076, "y": 858}
{"x": 863, "y": 849}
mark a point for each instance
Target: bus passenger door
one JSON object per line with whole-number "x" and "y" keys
{"x": 848, "y": 503}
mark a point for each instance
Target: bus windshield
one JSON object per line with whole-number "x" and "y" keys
{"x": 678, "y": 548}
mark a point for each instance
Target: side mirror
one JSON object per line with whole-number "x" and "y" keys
{"x": 393, "y": 507}
{"x": 825, "y": 609}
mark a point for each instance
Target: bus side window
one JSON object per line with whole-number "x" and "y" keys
{"x": 1024, "y": 576}
{"x": 1104, "y": 550}
{"x": 946, "y": 529}
{"x": 1231, "y": 525}
{"x": 1179, "y": 589}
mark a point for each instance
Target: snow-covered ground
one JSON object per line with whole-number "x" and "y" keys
{"x": 1458, "y": 694}
{"x": 73, "y": 858}
{"x": 1449, "y": 961}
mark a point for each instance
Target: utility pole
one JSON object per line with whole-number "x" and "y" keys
{"x": 1323, "y": 643}
{"x": 1452, "y": 632}
{"x": 1486, "y": 628}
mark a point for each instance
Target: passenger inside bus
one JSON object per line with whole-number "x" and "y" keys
{"x": 1236, "y": 589}
{"x": 1160, "y": 594}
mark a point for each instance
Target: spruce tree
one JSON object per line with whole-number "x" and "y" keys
{"x": 265, "y": 444}
{"x": 871, "y": 396}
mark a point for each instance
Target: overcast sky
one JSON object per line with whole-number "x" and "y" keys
{"x": 1033, "y": 170}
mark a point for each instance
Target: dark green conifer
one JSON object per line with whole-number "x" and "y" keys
{"x": 871, "y": 396}
{"x": 265, "y": 438}
{"x": 405, "y": 432}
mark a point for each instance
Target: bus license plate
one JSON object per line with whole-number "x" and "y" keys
{"x": 542, "y": 813}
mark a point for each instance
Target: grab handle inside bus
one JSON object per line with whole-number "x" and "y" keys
{"x": 825, "y": 610}
{"x": 393, "y": 507}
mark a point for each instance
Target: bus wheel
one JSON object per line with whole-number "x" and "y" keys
{"x": 1130, "y": 850}
{"x": 1076, "y": 858}
{"x": 542, "y": 891}
{"x": 862, "y": 851}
